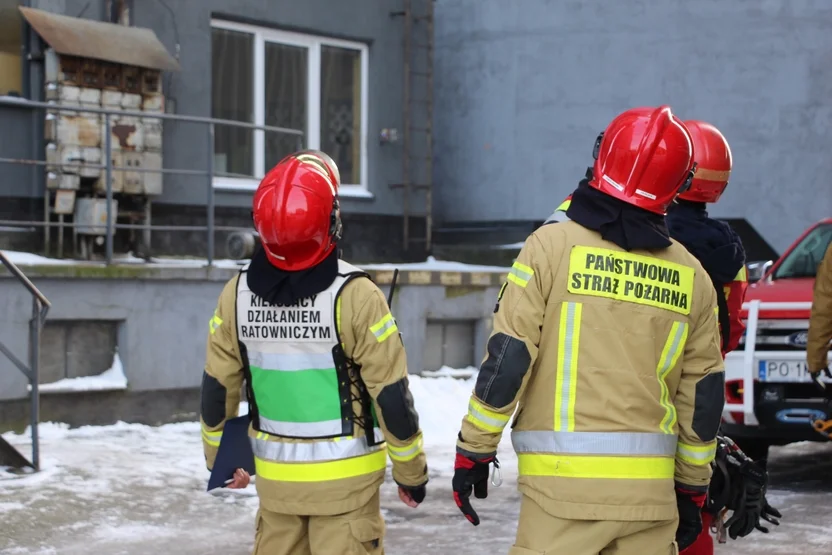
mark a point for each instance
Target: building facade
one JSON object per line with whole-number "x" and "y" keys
{"x": 332, "y": 70}
{"x": 523, "y": 89}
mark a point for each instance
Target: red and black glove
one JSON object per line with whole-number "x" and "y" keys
{"x": 471, "y": 474}
{"x": 690, "y": 505}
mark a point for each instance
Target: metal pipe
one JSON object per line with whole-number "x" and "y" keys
{"x": 60, "y": 236}
{"x": 173, "y": 171}
{"x": 408, "y": 30}
{"x": 34, "y": 379}
{"x": 15, "y": 271}
{"x": 26, "y": 223}
{"x": 12, "y": 101}
{"x": 210, "y": 204}
{"x": 108, "y": 152}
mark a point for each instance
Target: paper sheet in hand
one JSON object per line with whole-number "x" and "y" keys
{"x": 234, "y": 452}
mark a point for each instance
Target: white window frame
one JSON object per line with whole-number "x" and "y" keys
{"x": 313, "y": 43}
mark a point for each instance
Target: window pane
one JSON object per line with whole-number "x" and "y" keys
{"x": 341, "y": 110}
{"x": 10, "y": 63}
{"x": 286, "y": 98}
{"x": 232, "y": 97}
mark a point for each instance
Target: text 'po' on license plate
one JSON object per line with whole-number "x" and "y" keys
{"x": 784, "y": 371}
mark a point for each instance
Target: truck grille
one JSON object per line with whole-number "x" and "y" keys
{"x": 780, "y": 335}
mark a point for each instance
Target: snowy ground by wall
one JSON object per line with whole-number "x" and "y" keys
{"x": 133, "y": 490}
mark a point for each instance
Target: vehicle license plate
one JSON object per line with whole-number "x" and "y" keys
{"x": 785, "y": 371}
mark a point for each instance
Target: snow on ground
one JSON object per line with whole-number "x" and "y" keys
{"x": 431, "y": 264}
{"x": 29, "y": 259}
{"x": 134, "y": 489}
{"x": 111, "y": 379}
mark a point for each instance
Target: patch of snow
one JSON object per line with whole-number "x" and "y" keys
{"x": 431, "y": 264}
{"x": 30, "y": 259}
{"x": 448, "y": 372}
{"x": 509, "y": 246}
{"x": 111, "y": 379}
{"x": 5, "y": 507}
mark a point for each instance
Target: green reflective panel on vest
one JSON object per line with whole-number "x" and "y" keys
{"x": 300, "y": 396}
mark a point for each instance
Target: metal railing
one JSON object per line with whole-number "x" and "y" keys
{"x": 40, "y": 307}
{"x": 107, "y": 149}
{"x": 749, "y": 354}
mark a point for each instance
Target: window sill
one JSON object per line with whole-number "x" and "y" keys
{"x": 235, "y": 184}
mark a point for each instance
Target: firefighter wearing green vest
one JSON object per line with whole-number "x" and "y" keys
{"x": 325, "y": 375}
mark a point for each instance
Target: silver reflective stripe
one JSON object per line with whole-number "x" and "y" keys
{"x": 595, "y": 443}
{"x": 566, "y": 366}
{"x": 521, "y": 274}
{"x": 291, "y": 363}
{"x": 386, "y": 326}
{"x": 302, "y": 429}
{"x": 705, "y": 455}
{"x": 415, "y": 448}
{"x": 472, "y": 410}
{"x": 557, "y": 216}
{"x": 317, "y": 451}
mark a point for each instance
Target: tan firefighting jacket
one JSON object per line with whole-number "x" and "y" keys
{"x": 820, "y": 323}
{"x": 614, "y": 358}
{"x": 383, "y": 365}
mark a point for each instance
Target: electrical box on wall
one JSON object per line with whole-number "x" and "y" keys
{"x": 115, "y": 70}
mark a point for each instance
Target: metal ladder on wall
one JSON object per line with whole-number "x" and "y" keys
{"x": 417, "y": 140}
{"x": 9, "y": 456}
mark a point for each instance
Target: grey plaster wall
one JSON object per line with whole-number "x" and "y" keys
{"x": 524, "y": 87}
{"x": 163, "y": 321}
{"x": 162, "y": 332}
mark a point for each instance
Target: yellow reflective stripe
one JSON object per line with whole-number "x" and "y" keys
{"x": 741, "y": 275}
{"x": 211, "y": 438}
{"x": 566, "y": 383}
{"x": 592, "y": 466}
{"x": 406, "y": 453}
{"x": 485, "y": 419}
{"x": 564, "y": 206}
{"x": 384, "y": 328}
{"x": 673, "y": 348}
{"x": 698, "y": 455}
{"x": 520, "y": 274}
{"x": 321, "y": 471}
{"x": 338, "y": 316}
{"x": 215, "y": 322}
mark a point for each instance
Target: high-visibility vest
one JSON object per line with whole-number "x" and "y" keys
{"x": 298, "y": 389}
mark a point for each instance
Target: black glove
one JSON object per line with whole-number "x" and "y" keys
{"x": 690, "y": 505}
{"x": 816, "y": 378}
{"x": 470, "y": 474}
{"x": 417, "y": 493}
{"x": 748, "y": 496}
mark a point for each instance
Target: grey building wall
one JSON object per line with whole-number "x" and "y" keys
{"x": 185, "y": 145}
{"x": 161, "y": 333}
{"x": 161, "y": 319}
{"x": 524, "y": 87}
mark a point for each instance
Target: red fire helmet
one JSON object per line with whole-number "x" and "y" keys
{"x": 645, "y": 157}
{"x": 713, "y": 163}
{"x": 296, "y": 210}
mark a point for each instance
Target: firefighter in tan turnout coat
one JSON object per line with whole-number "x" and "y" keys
{"x": 606, "y": 335}
{"x": 325, "y": 371}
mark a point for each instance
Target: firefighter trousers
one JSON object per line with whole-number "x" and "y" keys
{"x": 538, "y": 532}
{"x": 357, "y": 532}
